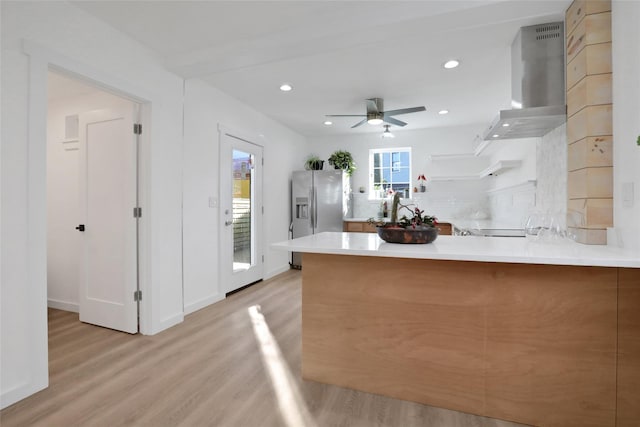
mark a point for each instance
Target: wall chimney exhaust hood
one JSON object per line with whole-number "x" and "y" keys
{"x": 537, "y": 85}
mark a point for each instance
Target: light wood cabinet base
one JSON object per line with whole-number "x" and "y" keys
{"x": 535, "y": 344}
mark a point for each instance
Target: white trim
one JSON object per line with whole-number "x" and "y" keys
{"x": 372, "y": 193}
{"x": 276, "y": 272}
{"x": 63, "y": 305}
{"x": 250, "y": 138}
{"x": 203, "y": 302}
{"x": 165, "y": 323}
{"x": 85, "y": 72}
{"x": 47, "y": 58}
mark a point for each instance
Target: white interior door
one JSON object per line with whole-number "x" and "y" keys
{"x": 241, "y": 212}
{"x": 108, "y": 194}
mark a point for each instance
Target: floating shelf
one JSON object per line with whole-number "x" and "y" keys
{"x": 494, "y": 169}
{"x": 479, "y": 149}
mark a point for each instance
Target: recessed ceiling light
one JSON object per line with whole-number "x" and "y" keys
{"x": 496, "y": 135}
{"x": 286, "y": 87}
{"x": 505, "y": 125}
{"x": 452, "y": 63}
{"x": 328, "y": 123}
{"x": 443, "y": 112}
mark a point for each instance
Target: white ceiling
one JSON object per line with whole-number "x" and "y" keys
{"x": 336, "y": 54}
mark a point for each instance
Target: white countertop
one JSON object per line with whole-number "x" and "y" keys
{"x": 457, "y": 248}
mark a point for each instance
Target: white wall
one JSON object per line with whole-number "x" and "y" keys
{"x": 625, "y": 16}
{"x": 78, "y": 41}
{"x": 205, "y": 109}
{"x": 63, "y": 241}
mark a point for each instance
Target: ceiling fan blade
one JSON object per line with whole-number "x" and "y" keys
{"x": 345, "y": 115}
{"x": 393, "y": 121}
{"x": 361, "y": 122}
{"x": 403, "y": 111}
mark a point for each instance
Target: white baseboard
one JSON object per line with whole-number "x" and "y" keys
{"x": 22, "y": 391}
{"x": 202, "y": 303}
{"x": 63, "y": 305}
{"x": 277, "y": 271}
{"x": 167, "y": 323}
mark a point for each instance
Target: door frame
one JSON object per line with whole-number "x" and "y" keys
{"x": 41, "y": 60}
{"x": 257, "y": 140}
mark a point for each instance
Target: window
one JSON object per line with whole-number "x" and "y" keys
{"x": 389, "y": 168}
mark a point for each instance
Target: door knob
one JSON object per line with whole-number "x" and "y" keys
{"x": 80, "y": 227}
{"x": 228, "y": 223}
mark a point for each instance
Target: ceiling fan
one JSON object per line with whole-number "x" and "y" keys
{"x": 376, "y": 114}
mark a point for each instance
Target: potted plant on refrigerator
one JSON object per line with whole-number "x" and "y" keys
{"x": 343, "y": 160}
{"x": 419, "y": 228}
{"x": 314, "y": 163}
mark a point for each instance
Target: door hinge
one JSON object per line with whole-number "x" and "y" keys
{"x": 263, "y": 210}
{"x": 137, "y": 295}
{"x": 137, "y": 129}
{"x": 263, "y": 259}
{"x": 137, "y": 212}
{"x": 262, "y": 161}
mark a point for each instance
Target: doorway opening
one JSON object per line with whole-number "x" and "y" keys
{"x": 92, "y": 201}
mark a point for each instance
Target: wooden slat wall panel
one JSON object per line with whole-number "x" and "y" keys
{"x": 590, "y": 120}
{"x": 580, "y": 8}
{"x": 596, "y": 151}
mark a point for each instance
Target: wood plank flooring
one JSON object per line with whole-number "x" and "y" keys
{"x": 207, "y": 371}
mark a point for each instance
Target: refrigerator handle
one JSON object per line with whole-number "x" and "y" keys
{"x": 315, "y": 209}
{"x": 312, "y": 209}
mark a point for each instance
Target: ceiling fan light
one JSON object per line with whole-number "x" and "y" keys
{"x": 374, "y": 121}
{"x": 387, "y": 133}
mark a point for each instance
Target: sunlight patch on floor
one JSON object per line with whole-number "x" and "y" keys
{"x": 292, "y": 406}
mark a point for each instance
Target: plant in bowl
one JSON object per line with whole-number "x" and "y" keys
{"x": 418, "y": 228}
{"x": 314, "y": 163}
{"x": 343, "y": 160}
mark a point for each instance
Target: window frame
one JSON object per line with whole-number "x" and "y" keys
{"x": 373, "y": 194}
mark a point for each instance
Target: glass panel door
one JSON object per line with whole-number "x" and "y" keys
{"x": 241, "y": 212}
{"x": 243, "y": 255}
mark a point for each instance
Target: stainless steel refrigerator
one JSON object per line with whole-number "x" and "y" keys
{"x": 319, "y": 201}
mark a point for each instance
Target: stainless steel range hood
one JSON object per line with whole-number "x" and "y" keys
{"x": 537, "y": 85}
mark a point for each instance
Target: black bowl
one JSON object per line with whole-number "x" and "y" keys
{"x": 408, "y": 235}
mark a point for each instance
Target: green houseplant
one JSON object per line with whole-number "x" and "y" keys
{"x": 342, "y": 160}
{"x": 314, "y": 163}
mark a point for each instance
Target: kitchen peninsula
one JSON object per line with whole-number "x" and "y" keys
{"x": 540, "y": 334}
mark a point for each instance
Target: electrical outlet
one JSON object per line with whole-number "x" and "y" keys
{"x": 213, "y": 202}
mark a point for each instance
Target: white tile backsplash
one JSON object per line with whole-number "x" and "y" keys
{"x": 449, "y": 199}
{"x": 551, "y": 172}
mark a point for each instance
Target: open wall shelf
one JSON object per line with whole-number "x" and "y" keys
{"x": 495, "y": 169}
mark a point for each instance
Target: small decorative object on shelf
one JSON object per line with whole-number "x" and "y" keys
{"x": 314, "y": 163}
{"x": 422, "y": 180}
{"x": 419, "y": 228}
{"x": 343, "y": 160}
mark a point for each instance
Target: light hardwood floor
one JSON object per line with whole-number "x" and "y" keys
{"x": 207, "y": 371}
